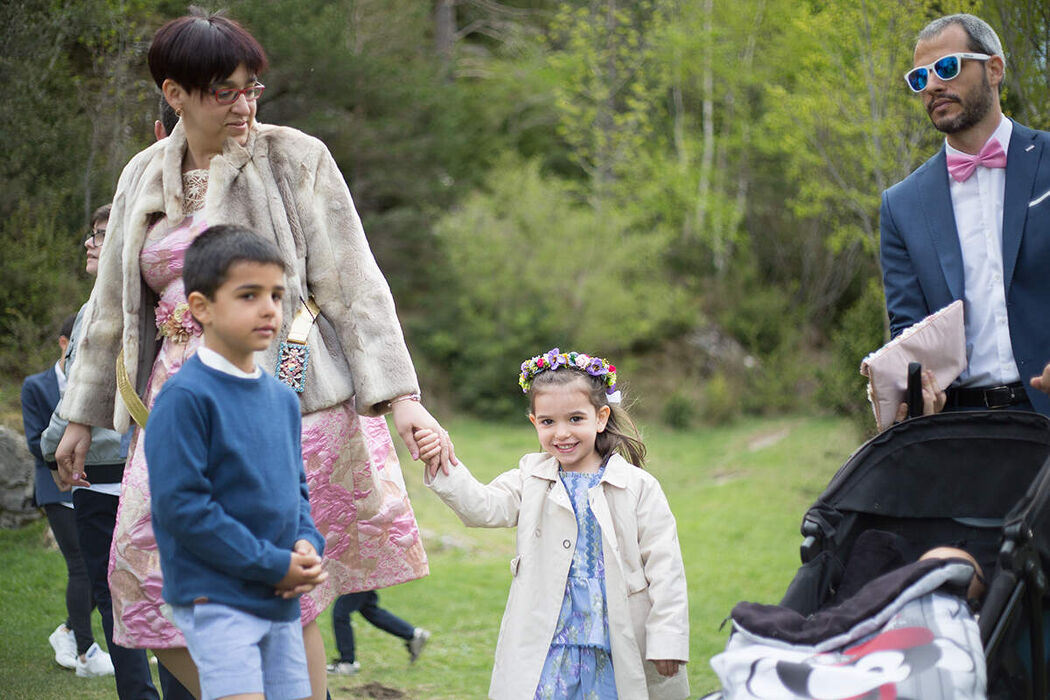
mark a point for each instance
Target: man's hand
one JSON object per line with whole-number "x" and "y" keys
{"x": 932, "y": 400}
{"x": 1042, "y": 382}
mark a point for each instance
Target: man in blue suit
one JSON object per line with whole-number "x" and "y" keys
{"x": 973, "y": 222}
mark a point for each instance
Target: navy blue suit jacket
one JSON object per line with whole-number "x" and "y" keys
{"x": 922, "y": 265}
{"x": 39, "y": 398}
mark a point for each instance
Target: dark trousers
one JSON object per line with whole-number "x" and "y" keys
{"x": 96, "y": 516}
{"x": 78, "y": 589}
{"x": 366, "y": 603}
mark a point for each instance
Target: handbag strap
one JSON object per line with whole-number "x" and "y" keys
{"x": 304, "y": 319}
{"x": 137, "y": 409}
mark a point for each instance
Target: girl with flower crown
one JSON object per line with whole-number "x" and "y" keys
{"x": 597, "y": 605}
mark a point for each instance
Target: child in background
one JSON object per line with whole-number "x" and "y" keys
{"x": 229, "y": 501}
{"x": 598, "y": 605}
{"x": 367, "y": 603}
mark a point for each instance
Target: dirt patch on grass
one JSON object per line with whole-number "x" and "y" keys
{"x": 764, "y": 440}
{"x": 724, "y": 476}
{"x": 376, "y": 691}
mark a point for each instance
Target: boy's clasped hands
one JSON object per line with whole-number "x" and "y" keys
{"x": 304, "y": 572}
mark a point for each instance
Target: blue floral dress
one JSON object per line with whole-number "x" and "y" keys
{"x": 579, "y": 662}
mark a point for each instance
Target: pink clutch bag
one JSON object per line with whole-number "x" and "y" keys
{"x": 938, "y": 342}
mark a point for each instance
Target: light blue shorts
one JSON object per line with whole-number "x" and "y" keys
{"x": 237, "y": 652}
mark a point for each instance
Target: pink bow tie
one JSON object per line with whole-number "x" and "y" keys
{"x": 961, "y": 166}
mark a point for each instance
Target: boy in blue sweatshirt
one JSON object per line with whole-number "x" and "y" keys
{"x": 229, "y": 498}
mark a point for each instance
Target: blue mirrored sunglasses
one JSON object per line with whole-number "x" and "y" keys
{"x": 946, "y": 68}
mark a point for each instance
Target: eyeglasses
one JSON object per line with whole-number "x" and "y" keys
{"x": 946, "y": 68}
{"x": 227, "y": 96}
{"x": 97, "y": 236}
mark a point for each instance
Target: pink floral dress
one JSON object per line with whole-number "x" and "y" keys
{"x": 347, "y": 457}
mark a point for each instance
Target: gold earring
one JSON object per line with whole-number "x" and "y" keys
{"x": 178, "y": 112}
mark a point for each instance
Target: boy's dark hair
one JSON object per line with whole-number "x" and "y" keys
{"x": 620, "y": 434}
{"x": 67, "y": 326}
{"x": 209, "y": 257}
{"x": 200, "y": 48}
{"x": 168, "y": 117}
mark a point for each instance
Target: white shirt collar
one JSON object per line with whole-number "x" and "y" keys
{"x": 217, "y": 362}
{"x": 61, "y": 376}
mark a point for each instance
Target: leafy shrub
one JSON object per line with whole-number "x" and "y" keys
{"x": 531, "y": 268}
{"x": 842, "y": 389}
{"x": 40, "y": 268}
{"x": 762, "y": 318}
{"x": 679, "y": 411}
{"x": 721, "y": 401}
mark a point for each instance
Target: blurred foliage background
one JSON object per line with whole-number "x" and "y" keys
{"x": 688, "y": 187}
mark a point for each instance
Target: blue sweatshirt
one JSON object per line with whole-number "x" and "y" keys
{"x": 228, "y": 491}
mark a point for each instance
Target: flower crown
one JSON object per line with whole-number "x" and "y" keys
{"x": 554, "y": 358}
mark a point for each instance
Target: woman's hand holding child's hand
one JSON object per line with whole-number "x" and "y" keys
{"x": 667, "y": 667}
{"x": 304, "y": 571}
{"x": 429, "y": 444}
{"x": 410, "y": 416}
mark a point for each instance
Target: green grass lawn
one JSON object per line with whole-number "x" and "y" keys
{"x": 738, "y": 493}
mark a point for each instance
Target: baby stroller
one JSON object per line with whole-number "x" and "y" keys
{"x": 975, "y": 480}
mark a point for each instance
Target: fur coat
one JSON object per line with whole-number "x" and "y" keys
{"x": 285, "y": 186}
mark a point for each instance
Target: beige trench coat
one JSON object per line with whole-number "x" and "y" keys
{"x": 285, "y": 186}
{"x": 644, "y": 577}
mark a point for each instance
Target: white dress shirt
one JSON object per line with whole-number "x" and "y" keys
{"x": 60, "y": 375}
{"x": 978, "y": 207}
{"x": 213, "y": 359}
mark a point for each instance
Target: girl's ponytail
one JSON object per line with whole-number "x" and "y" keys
{"x": 621, "y": 435}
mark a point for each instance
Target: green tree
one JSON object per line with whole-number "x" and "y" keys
{"x": 76, "y": 106}
{"x": 1024, "y": 28}
{"x": 532, "y": 268}
{"x": 843, "y": 124}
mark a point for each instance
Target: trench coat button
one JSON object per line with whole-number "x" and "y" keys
{"x": 566, "y": 544}
{"x": 537, "y": 533}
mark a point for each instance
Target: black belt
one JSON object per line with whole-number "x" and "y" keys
{"x": 987, "y": 397}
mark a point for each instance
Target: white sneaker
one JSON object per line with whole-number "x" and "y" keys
{"x": 344, "y": 668}
{"x": 416, "y": 644}
{"x": 96, "y": 663}
{"x": 64, "y": 643}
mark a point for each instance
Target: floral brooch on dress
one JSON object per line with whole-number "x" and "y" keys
{"x": 176, "y": 322}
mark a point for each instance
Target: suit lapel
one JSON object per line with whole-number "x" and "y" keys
{"x": 940, "y": 221}
{"x": 1021, "y": 161}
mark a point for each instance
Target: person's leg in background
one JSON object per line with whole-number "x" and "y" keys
{"x": 96, "y": 514}
{"x": 415, "y": 637}
{"x": 79, "y": 602}
{"x": 343, "y": 630}
{"x": 384, "y": 619}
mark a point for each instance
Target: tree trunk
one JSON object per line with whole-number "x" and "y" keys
{"x": 444, "y": 30}
{"x": 707, "y": 155}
